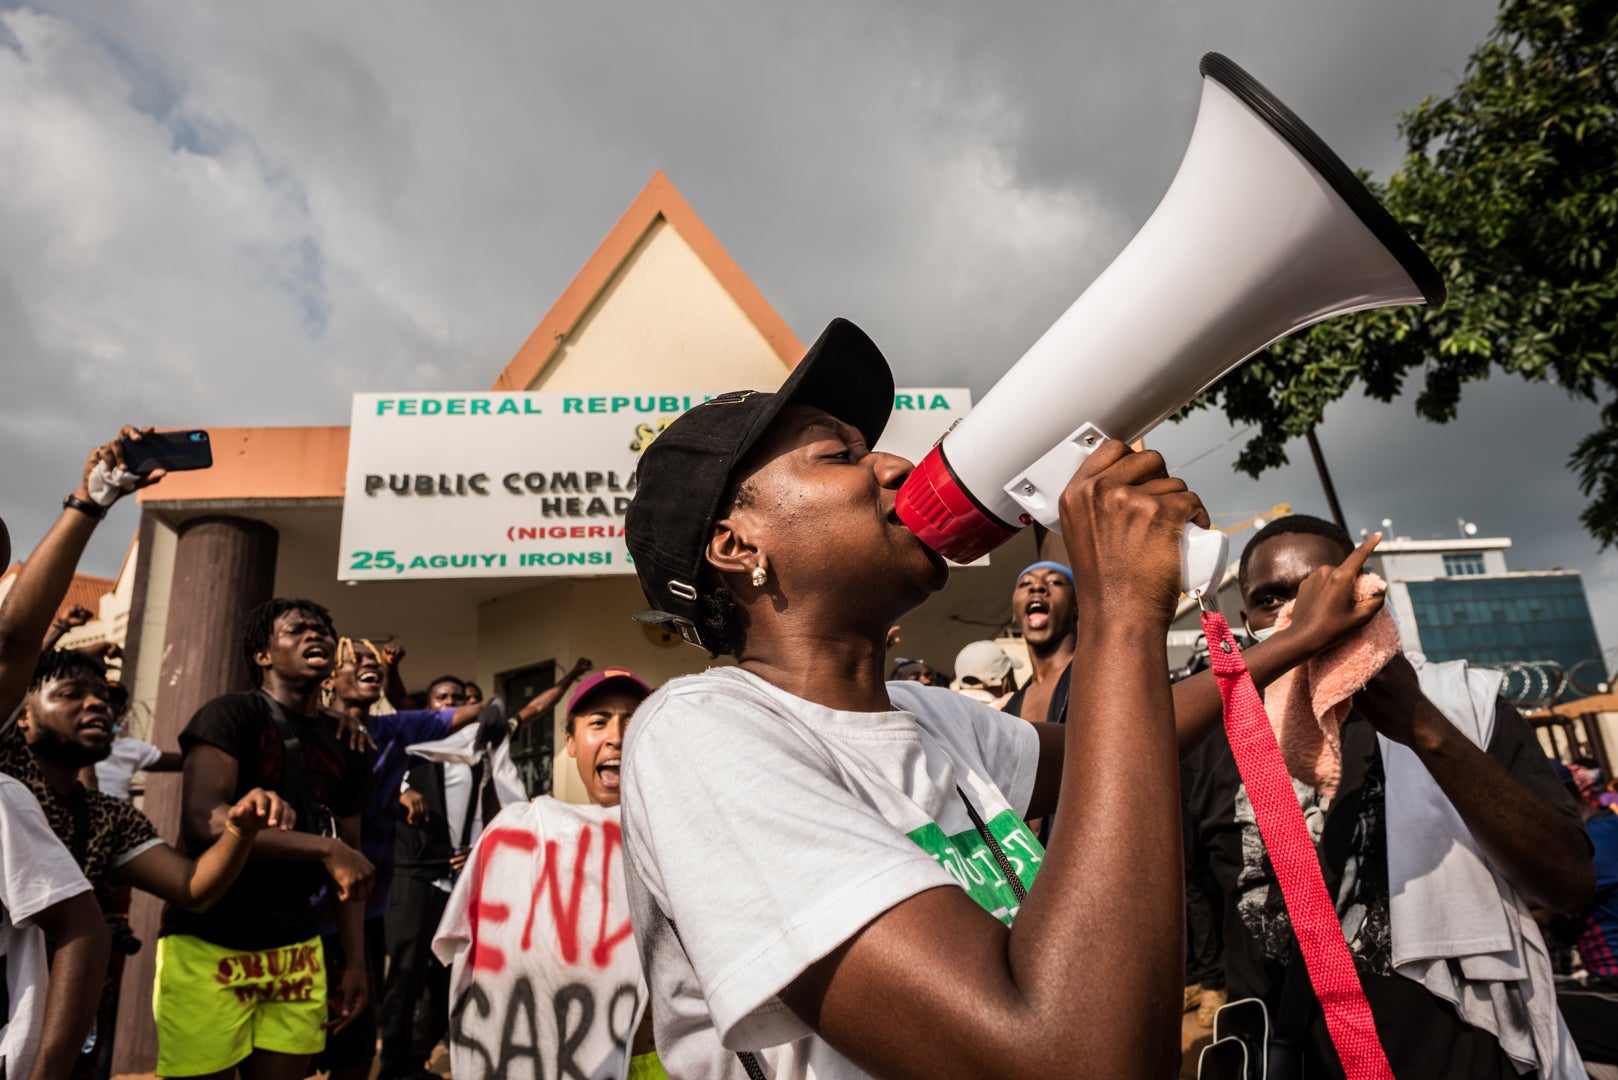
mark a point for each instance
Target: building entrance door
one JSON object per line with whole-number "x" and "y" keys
{"x": 533, "y": 745}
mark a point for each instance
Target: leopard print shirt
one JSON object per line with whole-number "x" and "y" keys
{"x": 117, "y": 831}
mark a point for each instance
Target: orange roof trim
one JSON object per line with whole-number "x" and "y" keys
{"x": 658, "y": 199}
{"x": 263, "y": 463}
{"x": 85, "y": 590}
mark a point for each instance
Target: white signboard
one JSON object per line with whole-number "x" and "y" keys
{"x": 518, "y": 485}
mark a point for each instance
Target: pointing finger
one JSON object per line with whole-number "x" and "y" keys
{"x": 1356, "y": 560}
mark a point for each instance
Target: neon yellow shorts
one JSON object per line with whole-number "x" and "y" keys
{"x": 646, "y": 1067}
{"x": 214, "y": 1006}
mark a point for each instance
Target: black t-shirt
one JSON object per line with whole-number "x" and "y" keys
{"x": 1055, "y": 713}
{"x": 274, "y": 903}
{"x": 1423, "y": 1036}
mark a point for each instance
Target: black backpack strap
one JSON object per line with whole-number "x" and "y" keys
{"x": 474, "y": 802}
{"x": 994, "y": 848}
{"x": 292, "y": 771}
{"x": 749, "y": 1060}
{"x": 1057, "y": 713}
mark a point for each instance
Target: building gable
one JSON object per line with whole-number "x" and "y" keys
{"x": 660, "y": 305}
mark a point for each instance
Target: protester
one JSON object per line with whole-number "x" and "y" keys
{"x": 48, "y": 1006}
{"x": 1204, "y": 945}
{"x": 917, "y": 671}
{"x": 71, "y": 619}
{"x": 44, "y": 898}
{"x": 356, "y": 685}
{"x": 1043, "y": 613}
{"x": 42, "y": 583}
{"x": 791, "y": 823}
{"x": 584, "y": 999}
{"x": 438, "y": 816}
{"x": 1590, "y": 1007}
{"x": 1485, "y": 799}
{"x": 245, "y": 981}
{"x": 114, "y": 773}
{"x": 984, "y": 672}
{"x": 65, "y": 724}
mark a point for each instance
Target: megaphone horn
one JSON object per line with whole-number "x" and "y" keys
{"x": 1263, "y": 232}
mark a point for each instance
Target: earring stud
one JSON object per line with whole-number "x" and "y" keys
{"x": 760, "y": 576}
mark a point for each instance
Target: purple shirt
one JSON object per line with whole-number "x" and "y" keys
{"x": 1599, "y": 943}
{"x": 389, "y": 763}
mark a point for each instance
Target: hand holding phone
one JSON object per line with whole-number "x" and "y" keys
{"x": 107, "y": 477}
{"x": 171, "y": 451}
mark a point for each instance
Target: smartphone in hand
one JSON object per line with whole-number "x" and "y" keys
{"x": 171, "y": 451}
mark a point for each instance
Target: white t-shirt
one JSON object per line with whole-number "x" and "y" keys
{"x": 544, "y": 976}
{"x": 771, "y": 830}
{"x": 128, "y": 757}
{"x": 36, "y": 872}
{"x": 457, "y": 800}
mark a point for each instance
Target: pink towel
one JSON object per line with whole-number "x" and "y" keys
{"x": 1308, "y": 704}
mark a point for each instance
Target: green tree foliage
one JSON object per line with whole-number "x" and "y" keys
{"x": 1510, "y": 185}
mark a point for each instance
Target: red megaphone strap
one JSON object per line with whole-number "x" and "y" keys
{"x": 1297, "y": 868}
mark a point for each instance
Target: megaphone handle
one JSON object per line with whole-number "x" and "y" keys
{"x": 1203, "y": 552}
{"x": 1203, "y": 555}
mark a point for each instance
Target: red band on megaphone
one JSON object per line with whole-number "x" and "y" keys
{"x": 933, "y": 505}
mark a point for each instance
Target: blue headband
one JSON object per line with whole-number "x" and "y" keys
{"x": 1047, "y": 565}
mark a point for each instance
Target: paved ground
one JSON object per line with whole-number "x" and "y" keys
{"x": 1193, "y": 1037}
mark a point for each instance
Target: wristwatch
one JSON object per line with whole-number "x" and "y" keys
{"x": 90, "y": 509}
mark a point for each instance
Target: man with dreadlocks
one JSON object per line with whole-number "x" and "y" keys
{"x": 246, "y": 980}
{"x": 356, "y": 684}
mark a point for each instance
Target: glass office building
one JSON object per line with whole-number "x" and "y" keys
{"x": 1492, "y": 620}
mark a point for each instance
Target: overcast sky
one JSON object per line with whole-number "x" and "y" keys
{"x": 240, "y": 214}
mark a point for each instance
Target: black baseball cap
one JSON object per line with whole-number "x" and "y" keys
{"x": 683, "y": 475}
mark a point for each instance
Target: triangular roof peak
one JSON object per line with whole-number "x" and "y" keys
{"x": 657, "y": 201}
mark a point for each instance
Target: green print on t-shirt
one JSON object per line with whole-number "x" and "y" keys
{"x": 970, "y": 862}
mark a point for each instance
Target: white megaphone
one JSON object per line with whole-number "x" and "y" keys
{"x": 1264, "y": 231}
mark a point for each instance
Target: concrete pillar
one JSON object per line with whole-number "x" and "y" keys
{"x": 223, "y": 568}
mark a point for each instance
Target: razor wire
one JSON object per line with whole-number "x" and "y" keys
{"x": 1538, "y": 684}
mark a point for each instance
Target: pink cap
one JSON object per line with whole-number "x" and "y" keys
{"x": 596, "y": 679}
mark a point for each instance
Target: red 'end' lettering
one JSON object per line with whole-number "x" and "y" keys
{"x": 486, "y": 957}
{"x": 601, "y": 955}
{"x": 567, "y": 918}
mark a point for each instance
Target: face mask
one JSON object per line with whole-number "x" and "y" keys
{"x": 1260, "y": 635}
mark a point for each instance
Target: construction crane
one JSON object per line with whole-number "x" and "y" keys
{"x": 1256, "y": 521}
